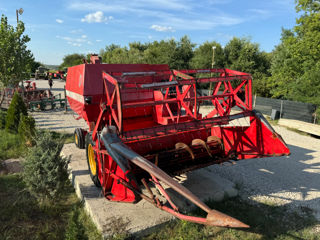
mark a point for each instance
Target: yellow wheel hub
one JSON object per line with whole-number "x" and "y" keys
{"x": 92, "y": 161}
{"x": 76, "y": 139}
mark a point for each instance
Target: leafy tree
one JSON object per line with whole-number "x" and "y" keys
{"x": 242, "y": 55}
{"x": 15, "y": 58}
{"x": 34, "y": 66}
{"x": 45, "y": 170}
{"x": 203, "y": 56}
{"x": 296, "y": 60}
{"x": 182, "y": 54}
{"x": 16, "y": 108}
{"x": 72, "y": 60}
{"x": 176, "y": 54}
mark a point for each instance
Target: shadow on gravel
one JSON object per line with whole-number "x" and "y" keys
{"x": 297, "y": 175}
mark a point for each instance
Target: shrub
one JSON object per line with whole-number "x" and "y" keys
{"x": 45, "y": 171}
{"x": 26, "y": 129}
{"x": 3, "y": 115}
{"x": 16, "y": 108}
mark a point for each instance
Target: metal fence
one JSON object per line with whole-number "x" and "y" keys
{"x": 287, "y": 109}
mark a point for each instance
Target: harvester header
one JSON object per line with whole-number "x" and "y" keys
{"x": 146, "y": 122}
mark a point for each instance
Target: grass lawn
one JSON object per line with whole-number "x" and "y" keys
{"x": 21, "y": 217}
{"x": 10, "y": 145}
{"x": 266, "y": 221}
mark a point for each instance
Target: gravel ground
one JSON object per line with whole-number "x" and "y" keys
{"x": 57, "y": 120}
{"x": 291, "y": 181}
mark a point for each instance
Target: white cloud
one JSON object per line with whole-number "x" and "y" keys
{"x": 59, "y": 20}
{"x": 97, "y": 17}
{"x": 76, "y": 42}
{"x": 159, "y": 28}
{"x": 76, "y": 31}
{"x": 134, "y": 6}
{"x": 98, "y": 40}
{"x": 167, "y": 12}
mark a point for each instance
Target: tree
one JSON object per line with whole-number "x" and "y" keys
{"x": 242, "y": 55}
{"x": 34, "y": 66}
{"x": 203, "y": 56}
{"x": 16, "y": 108}
{"x": 296, "y": 60}
{"x": 15, "y": 58}
{"x": 182, "y": 54}
{"x": 176, "y": 54}
{"x": 45, "y": 170}
{"x": 72, "y": 60}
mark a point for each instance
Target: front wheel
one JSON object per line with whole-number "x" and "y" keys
{"x": 92, "y": 161}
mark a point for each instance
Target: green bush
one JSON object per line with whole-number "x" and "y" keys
{"x": 16, "y": 108}
{"x": 26, "y": 129}
{"x": 3, "y": 115}
{"x": 45, "y": 171}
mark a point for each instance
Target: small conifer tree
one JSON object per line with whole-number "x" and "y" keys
{"x": 26, "y": 129}
{"x": 16, "y": 108}
{"x": 45, "y": 170}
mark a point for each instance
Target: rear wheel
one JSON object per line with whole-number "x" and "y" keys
{"x": 92, "y": 160}
{"x": 79, "y": 138}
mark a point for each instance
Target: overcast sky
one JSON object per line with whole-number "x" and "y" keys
{"x": 60, "y": 27}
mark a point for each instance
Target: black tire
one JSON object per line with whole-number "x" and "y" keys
{"x": 79, "y": 139}
{"x": 93, "y": 172}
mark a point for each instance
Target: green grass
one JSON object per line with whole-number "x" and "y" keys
{"x": 67, "y": 137}
{"x": 267, "y": 222}
{"x": 10, "y": 145}
{"x": 21, "y": 217}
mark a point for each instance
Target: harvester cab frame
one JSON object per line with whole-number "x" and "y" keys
{"x": 140, "y": 131}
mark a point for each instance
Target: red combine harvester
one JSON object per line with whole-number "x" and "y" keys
{"x": 144, "y": 123}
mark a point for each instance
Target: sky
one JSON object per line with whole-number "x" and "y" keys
{"x": 61, "y": 27}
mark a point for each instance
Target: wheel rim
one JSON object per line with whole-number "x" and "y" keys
{"x": 76, "y": 139}
{"x": 92, "y": 161}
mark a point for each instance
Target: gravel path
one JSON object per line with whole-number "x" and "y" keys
{"x": 57, "y": 120}
{"x": 292, "y": 181}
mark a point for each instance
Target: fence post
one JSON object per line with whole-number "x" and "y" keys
{"x": 281, "y": 108}
{"x": 254, "y": 100}
{"x": 65, "y": 99}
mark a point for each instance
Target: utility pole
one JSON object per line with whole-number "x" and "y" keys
{"x": 212, "y": 64}
{"x": 19, "y": 12}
